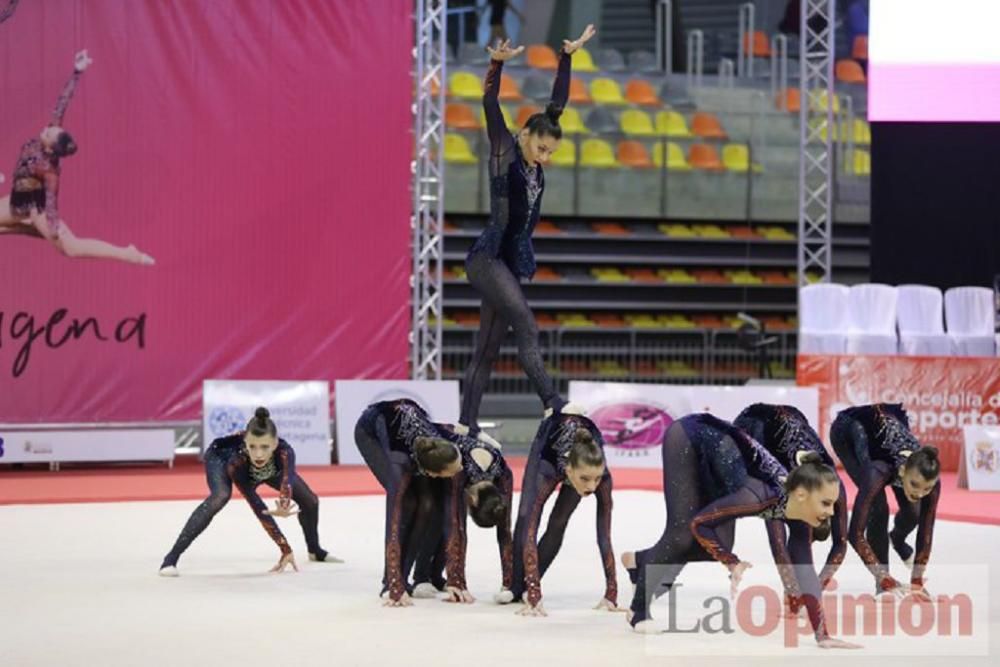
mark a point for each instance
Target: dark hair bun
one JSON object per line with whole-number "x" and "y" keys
{"x": 582, "y": 437}
{"x": 810, "y": 457}
{"x": 423, "y": 445}
{"x": 553, "y": 111}
{"x": 932, "y": 452}
{"x": 262, "y": 414}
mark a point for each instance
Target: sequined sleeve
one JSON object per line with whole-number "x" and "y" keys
{"x": 505, "y": 484}
{"x": 238, "y": 470}
{"x": 64, "y": 98}
{"x": 287, "y": 457}
{"x": 778, "y": 542}
{"x": 533, "y": 496}
{"x": 735, "y": 505}
{"x": 9, "y": 11}
{"x": 925, "y": 535}
{"x": 877, "y": 476}
{"x": 838, "y": 534}
{"x": 496, "y": 127}
{"x": 604, "y": 506}
{"x": 456, "y": 540}
{"x": 560, "y": 87}
{"x": 393, "y": 545}
{"x": 799, "y": 579}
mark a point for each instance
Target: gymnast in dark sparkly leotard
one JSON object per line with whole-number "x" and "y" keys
{"x": 483, "y": 489}
{"x": 568, "y": 450}
{"x": 32, "y": 208}
{"x": 714, "y": 473}
{"x": 249, "y": 459}
{"x": 785, "y": 432}
{"x": 411, "y": 456}
{"x": 503, "y": 254}
{"x": 878, "y": 451}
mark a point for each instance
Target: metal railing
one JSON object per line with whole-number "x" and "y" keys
{"x": 745, "y": 49}
{"x": 633, "y": 355}
{"x": 695, "y": 58}
{"x": 664, "y": 36}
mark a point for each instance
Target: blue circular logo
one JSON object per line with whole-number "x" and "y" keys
{"x": 226, "y": 420}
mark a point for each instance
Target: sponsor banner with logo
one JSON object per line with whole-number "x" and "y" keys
{"x": 300, "y": 410}
{"x": 941, "y": 395}
{"x": 86, "y": 446}
{"x": 635, "y": 417}
{"x": 438, "y": 398}
{"x": 979, "y": 469}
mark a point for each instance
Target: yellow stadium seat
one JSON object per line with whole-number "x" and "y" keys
{"x": 597, "y": 153}
{"x": 736, "y": 157}
{"x": 675, "y": 157}
{"x": 606, "y": 91}
{"x": 862, "y": 163}
{"x": 565, "y": 155}
{"x": 583, "y": 61}
{"x": 677, "y": 231}
{"x": 456, "y": 149}
{"x": 636, "y": 122}
{"x": 862, "y": 131}
{"x": 466, "y": 85}
{"x": 572, "y": 123}
{"x": 672, "y": 124}
{"x": 507, "y": 118}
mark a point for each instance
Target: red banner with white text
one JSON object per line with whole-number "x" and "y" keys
{"x": 941, "y": 394}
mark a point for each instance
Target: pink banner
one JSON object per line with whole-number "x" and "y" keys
{"x": 258, "y": 150}
{"x": 934, "y": 92}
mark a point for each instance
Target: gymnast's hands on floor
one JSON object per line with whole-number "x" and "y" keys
{"x": 285, "y": 561}
{"x": 831, "y": 642}
{"x": 404, "y": 601}
{"x": 456, "y": 594}
{"x": 532, "y": 610}
{"x": 283, "y": 509}
{"x": 736, "y": 575}
{"x": 607, "y": 605}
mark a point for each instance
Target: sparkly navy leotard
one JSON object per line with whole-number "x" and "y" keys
{"x": 545, "y": 471}
{"x": 872, "y": 442}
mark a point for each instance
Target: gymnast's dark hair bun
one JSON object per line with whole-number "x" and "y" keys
{"x": 546, "y": 123}
{"x": 811, "y": 473}
{"x": 810, "y": 457}
{"x": 261, "y": 423}
{"x": 434, "y": 454}
{"x": 926, "y": 461}
{"x": 585, "y": 450}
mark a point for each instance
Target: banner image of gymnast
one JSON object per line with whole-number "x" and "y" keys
{"x": 941, "y": 395}
{"x": 197, "y": 190}
{"x": 634, "y": 418}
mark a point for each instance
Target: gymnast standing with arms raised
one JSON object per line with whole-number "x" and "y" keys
{"x": 503, "y": 255}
